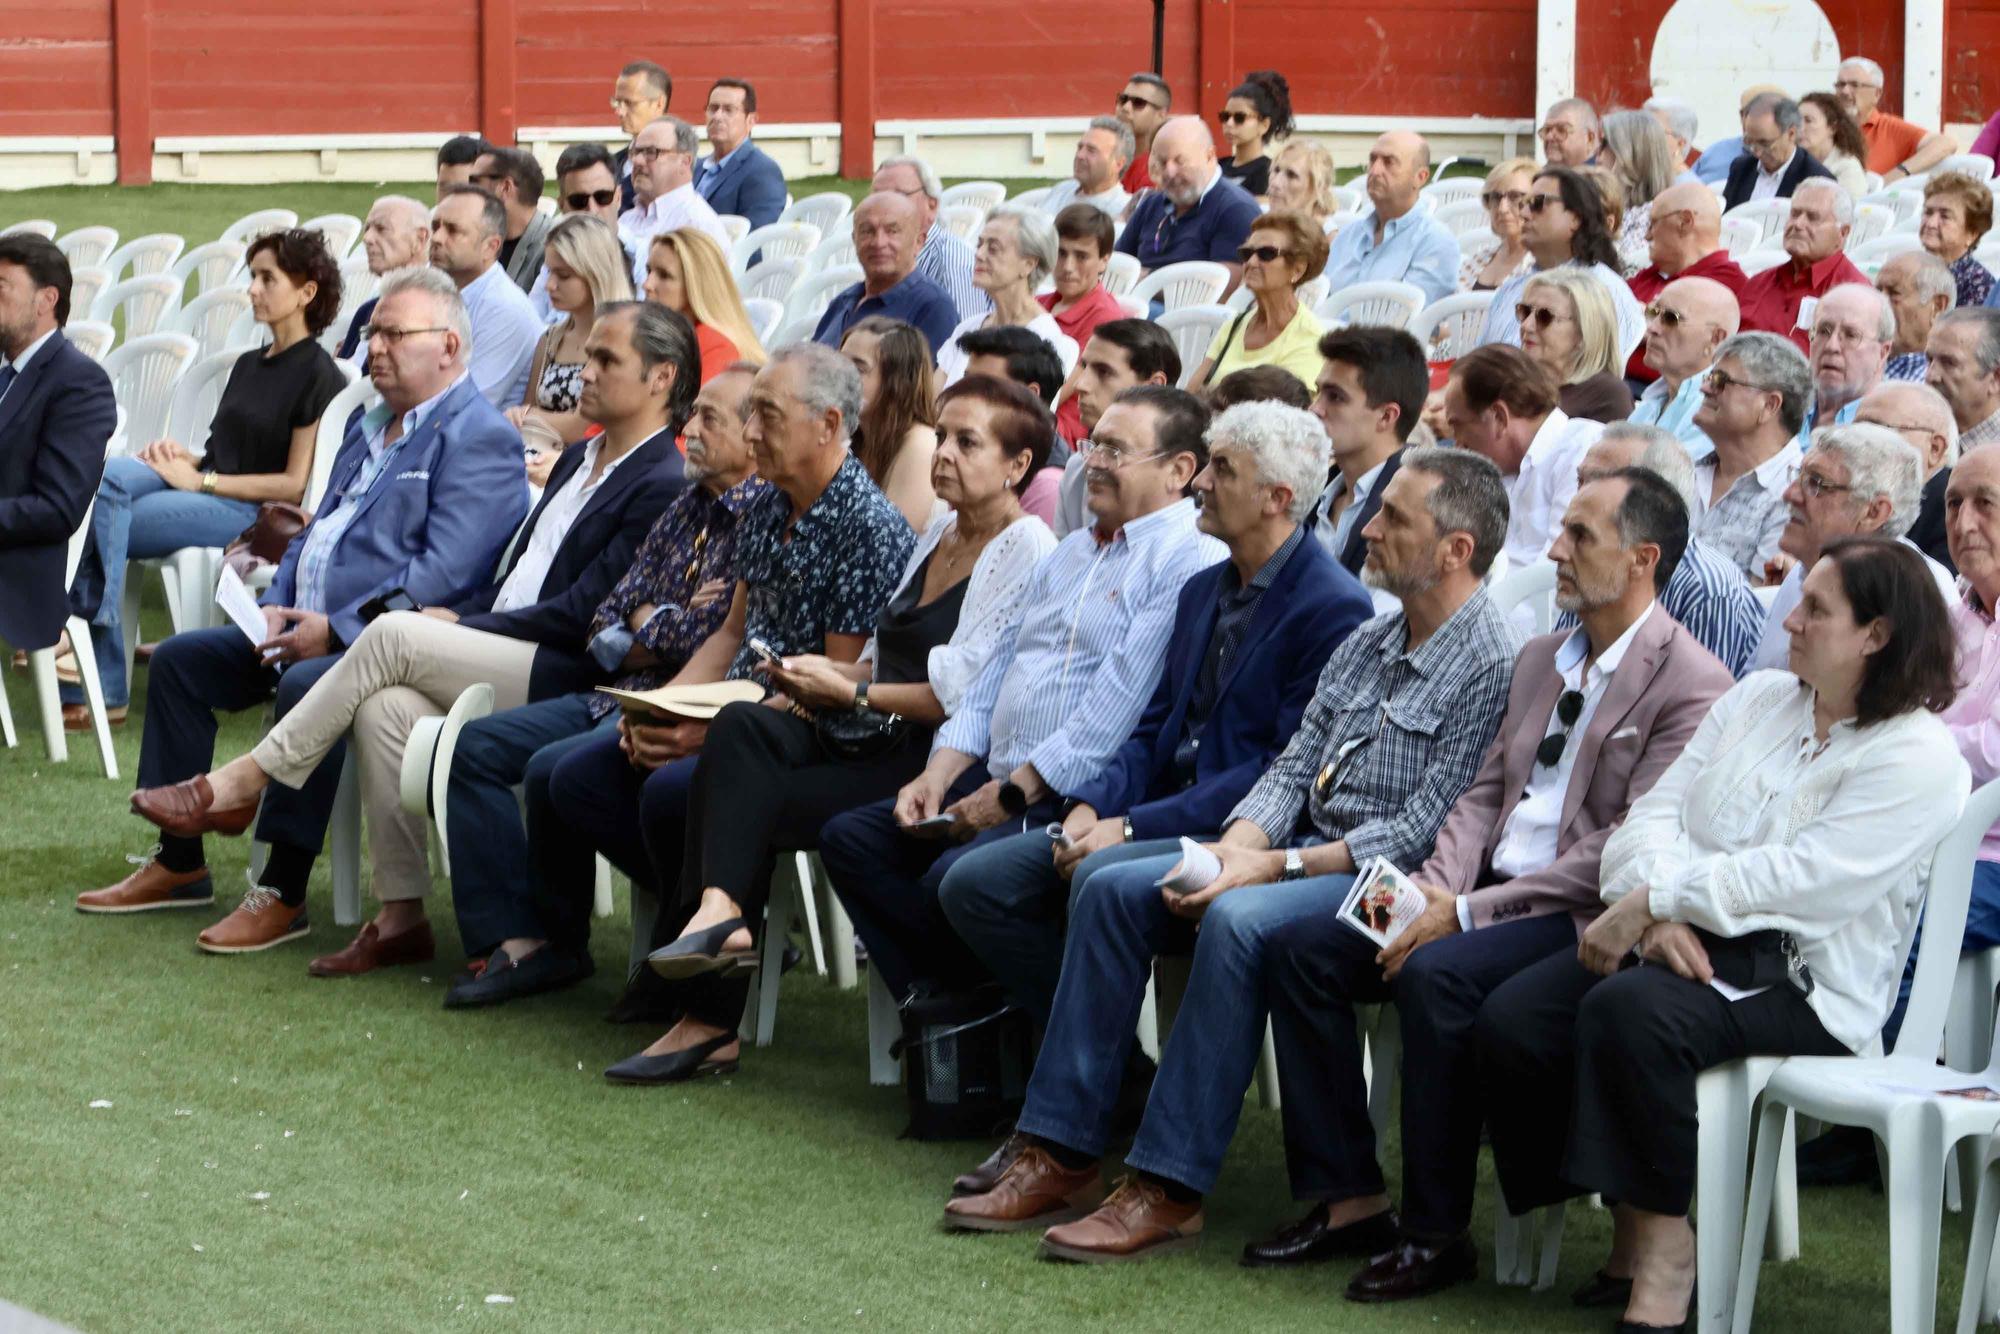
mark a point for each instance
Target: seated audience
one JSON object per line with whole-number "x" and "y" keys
{"x": 1361, "y": 778}
{"x": 1815, "y": 234}
{"x": 1144, "y": 105}
{"x": 586, "y": 185}
{"x": 1512, "y": 881}
{"x": 1570, "y": 329}
{"x": 1256, "y": 111}
{"x": 768, "y": 779}
{"x": 1830, "y": 137}
{"x": 1753, "y": 410}
{"x": 1566, "y": 226}
{"x": 1080, "y": 301}
{"x": 1052, "y": 706}
{"x": 1302, "y": 180}
{"x": 664, "y": 198}
{"x": 1195, "y": 213}
{"x": 466, "y": 229}
{"x": 1120, "y": 355}
{"x": 454, "y": 161}
{"x": 941, "y": 257}
{"x": 640, "y": 96}
{"x": 1786, "y": 840}
{"x": 888, "y": 230}
{"x": 1570, "y": 134}
{"x": 423, "y": 498}
{"x": 1103, "y": 151}
{"x": 260, "y": 447}
{"x": 1636, "y": 153}
{"x": 689, "y": 274}
{"x": 1920, "y": 288}
{"x": 1369, "y": 395}
{"x": 1773, "y": 165}
{"x": 1684, "y": 241}
{"x": 896, "y": 434}
{"x": 1503, "y": 405}
{"x": 395, "y": 235}
{"x": 514, "y": 177}
{"x": 1686, "y": 321}
{"x": 1282, "y": 252}
{"x": 1505, "y": 199}
{"x": 524, "y": 634}
{"x": 1016, "y": 252}
{"x": 585, "y": 269}
{"x": 1012, "y": 353}
{"x": 1396, "y": 240}
{"x": 1897, "y": 149}
{"x": 1958, "y": 212}
{"x": 1853, "y": 327}
{"x": 1963, "y": 364}
{"x": 735, "y": 176}
{"x": 1921, "y": 416}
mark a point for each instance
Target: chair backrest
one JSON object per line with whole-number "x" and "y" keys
{"x": 85, "y": 283}
{"x": 736, "y": 225}
{"x": 332, "y": 429}
{"x": 147, "y": 304}
{"x": 209, "y": 318}
{"x": 765, "y": 316}
{"x": 835, "y": 250}
{"x": 41, "y": 227}
{"x": 1457, "y": 190}
{"x": 774, "y": 278}
{"x": 88, "y": 247}
{"x": 1462, "y": 215}
{"x": 1121, "y": 273}
{"x": 826, "y": 210}
{"x": 778, "y": 240}
{"x": 357, "y": 284}
{"x": 1740, "y": 236}
{"x": 1449, "y": 328}
{"x": 1768, "y": 214}
{"x": 962, "y": 220}
{"x": 1035, "y": 198}
{"x": 1884, "y": 248}
{"x": 1976, "y": 165}
{"x": 253, "y": 225}
{"x": 982, "y": 195}
{"x": 1757, "y": 261}
{"x": 1533, "y": 586}
{"x": 1870, "y": 221}
{"x": 78, "y": 538}
{"x": 798, "y": 329}
{"x": 341, "y": 231}
{"x": 210, "y": 265}
{"x": 1947, "y": 893}
{"x": 1194, "y": 282}
{"x": 145, "y": 255}
{"x": 93, "y": 338}
{"x": 815, "y": 291}
{"x": 1310, "y": 293}
{"x": 196, "y": 397}
{"x": 143, "y": 374}
{"x": 1193, "y": 328}
{"x": 1393, "y": 304}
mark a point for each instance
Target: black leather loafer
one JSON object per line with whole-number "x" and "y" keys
{"x": 1414, "y": 1270}
{"x": 504, "y": 979}
{"x": 1310, "y": 1241}
{"x": 675, "y": 1066}
{"x": 987, "y": 1175}
{"x": 702, "y": 952}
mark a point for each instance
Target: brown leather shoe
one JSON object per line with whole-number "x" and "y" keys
{"x": 144, "y": 652}
{"x": 1135, "y": 1221}
{"x": 151, "y": 886}
{"x": 76, "y": 717}
{"x": 369, "y": 951}
{"x": 259, "y": 922}
{"x": 187, "y": 809}
{"x": 1034, "y": 1191}
{"x": 987, "y": 1175}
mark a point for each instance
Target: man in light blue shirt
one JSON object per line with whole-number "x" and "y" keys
{"x": 1396, "y": 241}
{"x": 468, "y": 228}
{"x": 1852, "y": 329}
{"x": 1685, "y": 323}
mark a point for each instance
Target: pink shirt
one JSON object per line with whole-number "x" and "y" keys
{"x": 1974, "y": 716}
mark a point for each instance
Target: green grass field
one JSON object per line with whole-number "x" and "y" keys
{"x": 283, "y": 1153}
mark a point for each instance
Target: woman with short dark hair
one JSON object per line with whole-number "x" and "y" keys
{"x": 1282, "y": 251}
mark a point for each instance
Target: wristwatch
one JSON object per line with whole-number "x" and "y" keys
{"x": 860, "y": 695}
{"x": 1295, "y": 865}
{"x": 1012, "y": 799}
{"x": 1130, "y": 837}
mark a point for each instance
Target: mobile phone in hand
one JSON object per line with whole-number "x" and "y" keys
{"x": 765, "y": 652}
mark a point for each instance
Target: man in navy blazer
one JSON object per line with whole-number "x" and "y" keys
{"x": 1250, "y": 638}
{"x": 57, "y": 413}
{"x": 737, "y": 176}
{"x": 1369, "y": 395}
{"x": 422, "y": 498}
{"x": 1770, "y": 149}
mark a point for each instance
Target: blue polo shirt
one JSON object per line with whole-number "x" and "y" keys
{"x": 1212, "y": 229}
{"x": 915, "y": 300}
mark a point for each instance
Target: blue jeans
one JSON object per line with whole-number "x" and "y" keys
{"x": 140, "y": 517}
{"x": 1982, "y": 932}
{"x": 1119, "y": 923}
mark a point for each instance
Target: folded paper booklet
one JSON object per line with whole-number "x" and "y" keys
{"x": 696, "y": 703}
{"x": 1381, "y": 902}
{"x": 1196, "y": 868}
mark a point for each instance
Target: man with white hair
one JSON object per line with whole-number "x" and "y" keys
{"x": 1920, "y": 287}
{"x": 1571, "y": 133}
{"x": 1685, "y": 323}
{"x": 1964, "y": 353}
{"x": 1781, "y": 300}
{"x": 664, "y": 197}
{"x": 1680, "y": 123}
{"x": 1856, "y": 479}
{"x": 1897, "y": 149}
{"x": 1195, "y": 213}
{"x": 396, "y": 234}
{"x": 1103, "y": 151}
{"x": 1396, "y": 241}
{"x": 1920, "y": 415}
{"x": 944, "y": 257}
{"x": 1851, "y": 333}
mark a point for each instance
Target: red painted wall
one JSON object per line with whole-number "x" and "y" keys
{"x": 55, "y": 67}
{"x": 1424, "y": 57}
{"x": 1971, "y": 60}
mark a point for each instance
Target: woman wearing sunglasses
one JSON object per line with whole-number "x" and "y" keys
{"x": 1283, "y": 250}
{"x": 1256, "y": 112}
{"x": 1566, "y": 228}
{"x": 1506, "y": 201}
{"x": 1568, "y": 325}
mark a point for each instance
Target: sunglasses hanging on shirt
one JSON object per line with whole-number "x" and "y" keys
{"x": 1568, "y": 709}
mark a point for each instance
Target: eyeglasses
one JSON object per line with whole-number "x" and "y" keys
{"x": 1116, "y": 456}
{"x": 1668, "y": 317}
{"x": 1816, "y": 486}
{"x": 1263, "y": 254}
{"x": 1758, "y": 145}
{"x": 1543, "y": 316}
{"x": 1234, "y": 117}
{"x": 1536, "y": 203}
{"x": 1127, "y": 100}
{"x": 391, "y": 337}
{"x": 1824, "y": 332}
{"x": 1716, "y": 382}
{"x": 1568, "y": 709}
{"x": 1495, "y": 198}
{"x": 639, "y": 154}
{"x": 583, "y": 199}
{"x": 1658, "y": 220}
{"x": 1838, "y": 84}
{"x": 1557, "y": 131}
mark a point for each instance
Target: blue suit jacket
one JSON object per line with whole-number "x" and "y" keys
{"x": 55, "y": 422}
{"x": 433, "y": 525}
{"x": 751, "y": 187}
{"x": 593, "y": 556}
{"x": 1309, "y": 609}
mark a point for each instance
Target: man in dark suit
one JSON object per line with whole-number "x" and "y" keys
{"x": 1594, "y": 717}
{"x": 1772, "y": 164}
{"x": 640, "y": 97}
{"x": 423, "y": 496}
{"x": 56, "y": 416}
{"x": 1371, "y": 392}
{"x": 737, "y": 176}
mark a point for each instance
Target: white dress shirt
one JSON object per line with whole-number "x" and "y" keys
{"x": 679, "y": 207}
{"x": 1766, "y": 184}
{"x": 951, "y": 358}
{"x": 1538, "y": 494}
{"x": 524, "y": 585}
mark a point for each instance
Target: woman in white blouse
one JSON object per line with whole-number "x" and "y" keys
{"x": 1015, "y": 252}
{"x": 1767, "y": 885}
{"x": 838, "y": 735}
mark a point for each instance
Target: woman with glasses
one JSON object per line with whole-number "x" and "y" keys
{"x": 898, "y": 427}
{"x": 585, "y": 265}
{"x": 1756, "y": 902}
{"x": 1828, "y": 133}
{"x": 1302, "y": 181}
{"x": 1636, "y": 153}
{"x": 1257, "y": 111}
{"x": 1282, "y": 251}
{"x": 1506, "y": 201}
{"x": 1958, "y": 211}
{"x": 687, "y": 273}
{"x": 1017, "y": 249}
{"x": 1567, "y": 325}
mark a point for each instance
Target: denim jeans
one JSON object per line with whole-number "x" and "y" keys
{"x": 1119, "y": 923}
{"x": 1982, "y": 932}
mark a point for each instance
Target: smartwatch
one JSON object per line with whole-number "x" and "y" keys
{"x": 1012, "y": 799}
{"x": 1295, "y": 865}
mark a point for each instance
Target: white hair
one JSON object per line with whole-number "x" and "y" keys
{"x": 1288, "y": 445}
{"x": 927, "y": 177}
{"x": 1873, "y": 70}
{"x": 1664, "y": 456}
{"x": 1680, "y": 115}
{"x": 1843, "y": 202}
{"x": 1879, "y": 463}
{"x": 445, "y": 300}
{"x": 1034, "y": 236}
{"x": 412, "y": 214}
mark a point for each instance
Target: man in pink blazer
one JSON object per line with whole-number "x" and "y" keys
{"x": 1594, "y": 717}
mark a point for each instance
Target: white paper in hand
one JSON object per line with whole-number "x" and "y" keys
{"x": 239, "y": 604}
{"x": 1196, "y": 869}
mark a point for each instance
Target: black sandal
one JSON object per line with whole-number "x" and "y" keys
{"x": 702, "y": 953}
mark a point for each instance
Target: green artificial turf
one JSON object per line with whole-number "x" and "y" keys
{"x": 284, "y": 1153}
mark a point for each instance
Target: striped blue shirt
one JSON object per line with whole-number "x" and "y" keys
{"x": 1066, "y": 687}
{"x": 947, "y": 261}
{"x": 1709, "y": 596}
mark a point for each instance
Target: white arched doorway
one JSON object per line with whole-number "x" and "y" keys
{"x": 1707, "y": 51}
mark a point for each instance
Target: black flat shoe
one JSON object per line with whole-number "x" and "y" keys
{"x": 502, "y": 980}
{"x": 675, "y": 1066}
{"x": 1310, "y": 1241}
{"x": 702, "y": 952}
{"x": 1411, "y": 1269}
{"x": 1603, "y": 1290}
{"x": 1634, "y": 1327}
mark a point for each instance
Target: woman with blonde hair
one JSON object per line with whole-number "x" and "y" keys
{"x": 1569, "y": 325}
{"x": 687, "y": 273}
{"x": 1302, "y": 180}
{"x": 587, "y": 272}
{"x": 1506, "y": 201}
{"x": 1636, "y": 152}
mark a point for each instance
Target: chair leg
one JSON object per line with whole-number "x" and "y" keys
{"x": 884, "y": 1027}
{"x": 134, "y": 572}
{"x": 1267, "y": 1071}
{"x": 1975, "y": 1302}
{"x": 601, "y": 901}
{"x": 42, "y": 665}
{"x": 6, "y": 711}
{"x": 1757, "y": 1218}
{"x": 93, "y": 693}
{"x": 1513, "y": 1247}
{"x": 1784, "y": 1246}
{"x": 1914, "y": 1186}
{"x": 760, "y": 1017}
{"x": 809, "y": 908}
{"x": 1385, "y": 1061}
{"x": 1549, "y": 1227}
{"x": 840, "y": 932}
{"x": 345, "y": 827}
{"x": 1722, "y": 1108}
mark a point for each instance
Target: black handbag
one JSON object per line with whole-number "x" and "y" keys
{"x": 860, "y": 734}
{"x": 1758, "y": 959}
{"x": 966, "y": 1061}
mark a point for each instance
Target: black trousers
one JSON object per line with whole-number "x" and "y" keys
{"x": 1588, "y": 1081}
{"x": 1318, "y": 971}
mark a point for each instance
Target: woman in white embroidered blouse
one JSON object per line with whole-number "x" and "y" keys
{"x": 1768, "y": 883}
{"x": 838, "y": 735}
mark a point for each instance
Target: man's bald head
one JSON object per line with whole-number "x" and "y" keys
{"x": 1398, "y": 165}
{"x": 1685, "y": 324}
{"x": 1918, "y": 413}
{"x": 1710, "y": 302}
{"x": 1686, "y": 226}
{"x": 1184, "y": 160}
{"x": 888, "y": 232}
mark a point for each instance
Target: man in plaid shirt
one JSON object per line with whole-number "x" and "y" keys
{"x": 1395, "y": 731}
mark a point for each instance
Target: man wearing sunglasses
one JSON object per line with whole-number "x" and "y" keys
{"x": 1144, "y": 106}
{"x": 1685, "y": 323}
{"x": 1684, "y": 240}
{"x": 737, "y": 176}
{"x": 513, "y": 175}
{"x": 586, "y": 182}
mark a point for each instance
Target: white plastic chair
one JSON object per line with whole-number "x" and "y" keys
{"x": 774, "y": 278}
{"x": 143, "y": 374}
{"x": 765, "y": 316}
{"x": 982, "y": 195}
{"x": 1194, "y": 282}
{"x": 835, "y": 250}
{"x": 1309, "y": 293}
{"x": 1884, "y": 248}
{"x": 1193, "y": 328}
{"x": 147, "y": 304}
{"x": 826, "y": 210}
{"x": 41, "y": 227}
{"x": 1918, "y": 1130}
{"x": 93, "y": 338}
{"x": 1036, "y": 198}
{"x": 798, "y": 329}
{"x": 1462, "y": 216}
{"x": 211, "y": 265}
{"x": 196, "y": 395}
{"x": 1532, "y": 586}
{"x": 814, "y": 292}
{"x": 1976, "y": 165}
{"x": 1768, "y": 215}
{"x": 341, "y": 230}
{"x": 736, "y": 225}
{"x": 253, "y": 225}
{"x": 962, "y": 220}
{"x": 210, "y": 317}
{"x": 332, "y": 430}
{"x": 145, "y": 255}
{"x": 85, "y": 284}
{"x": 1758, "y": 261}
{"x": 779, "y": 240}
{"x": 1448, "y": 329}
{"x": 1907, "y": 205}
{"x": 357, "y": 284}
{"x": 1390, "y": 304}
{"x": 1457, "y": 190}
{"x": 1121, "y": 273}
{"x": 88, "y": 247}
{"x": 1870, "y": 221}
{"x": 1740, "y": 236}
{"x": 42, "y": 670}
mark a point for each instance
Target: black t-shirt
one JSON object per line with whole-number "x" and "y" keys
{"x": 1255, "y": 177}
{"x": 266, "y": 399}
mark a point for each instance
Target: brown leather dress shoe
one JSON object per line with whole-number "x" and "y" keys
{"x": 1137, "y": 1220}
{"x": 151, "y": 886}
{"x": 76, "y": 717}
{"x": 187, "y": 809}
{"x": 259, "y": 922}
{"x": 1034, "y": 1191}
{"x": 369, "y": 951}
{"x": 987, "y": 1175}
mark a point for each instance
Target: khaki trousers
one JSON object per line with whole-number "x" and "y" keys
{"x": 404, "y": 667}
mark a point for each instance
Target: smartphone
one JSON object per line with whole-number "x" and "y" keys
{"x": 395, "y": 599}
{"x": 935, "y": 824}
{"x": 765, "y": 652}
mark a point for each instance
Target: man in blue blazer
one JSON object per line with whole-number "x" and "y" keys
{"x": 1249, "y": 640}
{"x": 423, "y": 496}
{"x": 737, "y": 176}
{"x": 56, "y": 416}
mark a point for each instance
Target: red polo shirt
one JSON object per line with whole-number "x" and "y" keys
{"x": 1648, "y": 282}
{"x": 1139, "y": 175}
{"x": 1771, "y": 300}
